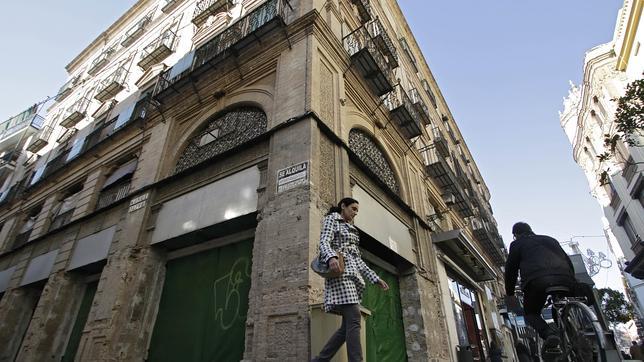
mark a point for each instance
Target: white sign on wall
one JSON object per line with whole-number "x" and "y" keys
{"x": 292, "y": 176}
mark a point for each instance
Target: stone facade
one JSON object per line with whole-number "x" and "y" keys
{"x": 233, "y": 101}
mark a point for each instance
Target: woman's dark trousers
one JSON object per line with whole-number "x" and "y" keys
{"x": 349, "y": 332}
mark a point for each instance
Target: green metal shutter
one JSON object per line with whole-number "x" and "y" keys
{"x": 384, "y": 328}
{"x": 79, "y": 324}
{"x": 202, "y": 313}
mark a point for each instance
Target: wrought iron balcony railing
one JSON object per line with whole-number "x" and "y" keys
{"x": 403, "y": 112}
{"x": 113, "y": 194}
{"x": 112, "y": 85}
{"x": 75, "y": 113}
{"x": 159, "y": 49}
{"x": 135, "y": 32}
{"x": 383, "y": 42}
{"x": 364, "y": 9}
{"x": 41, "y": 140}
{"x": 371, "y": 63}
{"x": 420, "y": 105}
{"x": 170, "y": 5}
{"x": 101, "y": 61}
{"x": 485, "y": 232}
{"x": 238, "y": 35}
{"x": 441, "y": 171}
{"x": 205, "y": 8}
{"x": 67, "y": 88}
{"x": 440, "y": 142}
{"x": 430, "y": 94}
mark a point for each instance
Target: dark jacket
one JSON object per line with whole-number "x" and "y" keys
{"x": 535, "y": 256}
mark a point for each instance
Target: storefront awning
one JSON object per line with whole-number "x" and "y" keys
{"x": 39, "y": 268}
{"x": 5, "y": 277}
{"x": 92, "y": 248}
{"x": 458, "y": 248}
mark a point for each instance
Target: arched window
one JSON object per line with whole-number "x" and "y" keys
{"x": 371, "y": 156}
{"x": 222, "y": 133}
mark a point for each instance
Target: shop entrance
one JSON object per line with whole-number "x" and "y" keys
{"x": 469, "y": 320}
{"x": 384, "y": 327}
{"x": 202, "y": 312}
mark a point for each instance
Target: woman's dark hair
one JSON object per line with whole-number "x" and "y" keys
{"x": 346, "y": 202}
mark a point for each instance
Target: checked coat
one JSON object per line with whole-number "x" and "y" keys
{"x": 337, "y": 235}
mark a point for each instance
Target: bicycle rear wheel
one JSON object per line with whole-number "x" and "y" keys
{"x": 584, "y": 339}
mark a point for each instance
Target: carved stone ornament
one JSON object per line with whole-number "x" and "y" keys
{"x": 370, "y": 154}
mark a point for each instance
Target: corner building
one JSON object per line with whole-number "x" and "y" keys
{"x": 167, "y": 206}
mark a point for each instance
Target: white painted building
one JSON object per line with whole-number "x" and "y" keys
{"x": 589, "y": 115}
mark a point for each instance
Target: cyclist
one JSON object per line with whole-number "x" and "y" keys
{"x": 542, "y": 264}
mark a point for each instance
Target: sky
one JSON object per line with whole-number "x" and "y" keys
{"x": 503, "y": 67}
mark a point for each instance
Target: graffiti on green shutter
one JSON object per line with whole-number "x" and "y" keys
{"x": 384, "y": 328}
{"x": 202, "y": 313}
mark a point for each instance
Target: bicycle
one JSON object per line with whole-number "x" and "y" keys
{"x": 581, "y": 333}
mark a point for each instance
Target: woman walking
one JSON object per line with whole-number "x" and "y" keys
{"x": 342, "y": 295}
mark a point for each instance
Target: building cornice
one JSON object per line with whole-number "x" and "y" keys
{"x": 107, "y": 35}
{"x": 629, "y": 34}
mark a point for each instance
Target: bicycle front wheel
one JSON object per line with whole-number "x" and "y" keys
{"x": 584, "y": 339}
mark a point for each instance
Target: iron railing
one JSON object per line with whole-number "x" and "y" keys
{"x": 101, "y": 61}
{"x": 364, "y": 9}
{"x": 158, "y": 49}
{"x": 112, "y": 84}
{"x": 383, "y": 41}
{"x": 136, "y": 31}
{"x": 67, "y": 88}
{"x": 75, "y": 113}
{"x": 18, "y": 123}
{"x": 113, "y": 194}
{"x": 403, "y": 111}
{"x": 359, "y": 40}
{"x": 420, "y": 105}
{"x": 170, "y": 5}
{"x": 205, "y": 8}
{"x": 233, "y": 36}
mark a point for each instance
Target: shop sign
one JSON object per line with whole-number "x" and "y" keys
{"x": 292, "y": 176}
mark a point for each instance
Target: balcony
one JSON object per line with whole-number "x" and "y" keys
{"x": 101, "y": 61}
{"x": 55, "y": 164}
{"x": 41, "y": 140}
{"x": 369, "y": 61}
{"x": 19, "y": 127}
{"x": 205, "y": 8}
{"x": 67, "y": 89}
{"x": 430, "y": 94}
{"x": 250, "y": 28}
{"x": 75, "y": 113}
{"x": 420, "y": 105}
{"x": 440, "y": 142}
{"x": 113, "y": 194}
{"x": 440, "y": 170}
{"x": 403, "y": 112}
{"x": 159, "y": 49}
{"x": 61, "y": 220}
{"x": 112, "y": 85}
{"x": 8, "y": 162}
{"x": 364, "y": 9}
{"x": 170, "y": 5}
{"x": 486, "y": 233}
{"x": 383, "y": 42}
{"x": 135, "y": 31}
